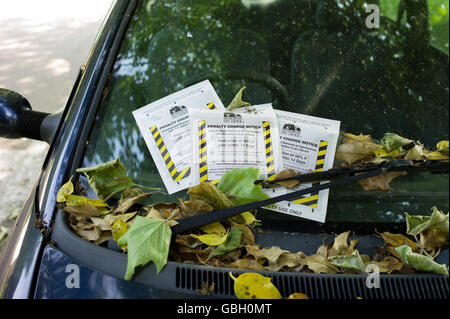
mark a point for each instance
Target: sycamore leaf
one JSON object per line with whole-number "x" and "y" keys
{"x": 129, "y": 197}
{"x": 416, "y": 153}
{"x": 118, "y": 229}
{"x": 285, "y": 174}
{"x": 239, "y": 184}
{"x": 297, "y": 295}
{"x": 214, "y": 239}
{"x": 442, "y": 147}
{"x": 320, "y": 264}
{"x": 355, "y": 149}
{"x": 393, "y": 141}
{"x": 393, "y": 241}
{"x": 420, "y": 262}
{"x": 84, "y": 210}
{"x": 254, "y": 286}
{"x": 388, "y": 264}
{"x": 247, "y": 263}
{"x": 352, "y": 261}
{"x": 433, "y": 230}
{"x": 193, "y": 207}
{"x": 107, "y": 179}
{"x": 148, "y": 239}
{"x": 66, "y": 189}
{"x": 340, "y": 246}
{"x": 210, "y": 194}
{"x": 380, "y": 182}
{"x": 215, "y": 227}
{"x": 352, "y": 138}
{"x": 437, "y": 155}
{"x": 232, "y": 242}
{"x": 237, "y": 101}
{"x": 248, "y": 217}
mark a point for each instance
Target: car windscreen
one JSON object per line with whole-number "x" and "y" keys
{"x": 324, "y": 58}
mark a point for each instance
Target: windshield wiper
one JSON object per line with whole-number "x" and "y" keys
{"x": 431, "y": 166}
{"x": 341, "y": 176}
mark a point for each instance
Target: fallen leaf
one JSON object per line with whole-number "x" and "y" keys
{"x": 212, "y": 228}
{"x": 233, "y": 241}
{"x": 214, "y": 239}
{"x": 388, "y": 265}
{"x": 297, "y": 295}
{"x": 355, "y": 151}
{"x": 239, "y": 184}
{"x": 210, "y": 194}
{"x": 433, "y": 230}
{"x": 285, "y": 174}
{"x": 148, "y": 239}
{"x": 352, "y": 262}
{"x": 107, "y": 179}
{"x": 237, "y": 101}
{"x": 416, "y": 153}
{"x": 129, "y": 197}
{"x": 420, "y": 262}
{"x": 320, "y": 264}
{"x": 393, "y": 241}
{"x": 380, "y": 182}
{"x": 247, "y": 263}
{"x": 340, "y": 246}
{"x": 193, "y": 207}
{"x": 254, "y": 286}
{"x": 66, "y": 189}
{"x": 391, "y": 141}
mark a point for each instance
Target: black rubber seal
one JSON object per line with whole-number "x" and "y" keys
{"x": 29, "y": 124}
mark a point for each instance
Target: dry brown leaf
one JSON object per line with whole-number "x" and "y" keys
{"x": 340, "y": 246}
{"x": 320, "y": 264}
{"x": 380, "y": 182}
{"x": 388, "y": 265}
{"x": 285, "y": 174}
{"x": 393, "y": 241}
{"x": 193, "y": 207}
{"x": 247, "y": 263}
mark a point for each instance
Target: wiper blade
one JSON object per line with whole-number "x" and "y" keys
{"x": 432, "y": 166}
{"x": 352, "y": 175}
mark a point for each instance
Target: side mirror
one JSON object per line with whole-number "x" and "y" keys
{"x": 17, "y": 119}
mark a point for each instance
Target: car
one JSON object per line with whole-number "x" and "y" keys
{"x": 316, "y": 57}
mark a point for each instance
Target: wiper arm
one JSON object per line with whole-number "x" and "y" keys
{"x": 352, "y": 175}
{"x": 432, "y": 166}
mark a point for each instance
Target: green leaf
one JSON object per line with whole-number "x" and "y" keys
{"x": 393, "y": 141}
{"x": 66, "y": 189}
{"x": 237, "y": 101}
{"x": 352, "y": 261}
{"x": 239, "y": 185}
{"x": 418, "y": 224}
{"x": 108, "y": 178}
{"x": 233, "y": 241}
{"x": 420, "y": 262}
{"x": 148, "y": 239}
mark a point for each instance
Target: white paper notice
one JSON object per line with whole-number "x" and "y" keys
{"x": 164, "y": 124}
{"x": 222, "y": 141}
{"x": 308, "y": 144}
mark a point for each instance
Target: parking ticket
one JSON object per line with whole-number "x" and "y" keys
{"x": 307, "y": 144}
{"x": 164, "y": 124}
{"x": 222, "y": 141}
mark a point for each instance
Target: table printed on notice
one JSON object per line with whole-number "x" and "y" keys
{"x": 164, "y": 124}
{"x": 308, "y": 144}
{"x": 222, "y": 141}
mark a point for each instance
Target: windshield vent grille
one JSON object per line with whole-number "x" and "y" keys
{"x": 201, "y": 279}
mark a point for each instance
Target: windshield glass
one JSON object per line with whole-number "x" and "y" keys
{"x": 324, "y": 58}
